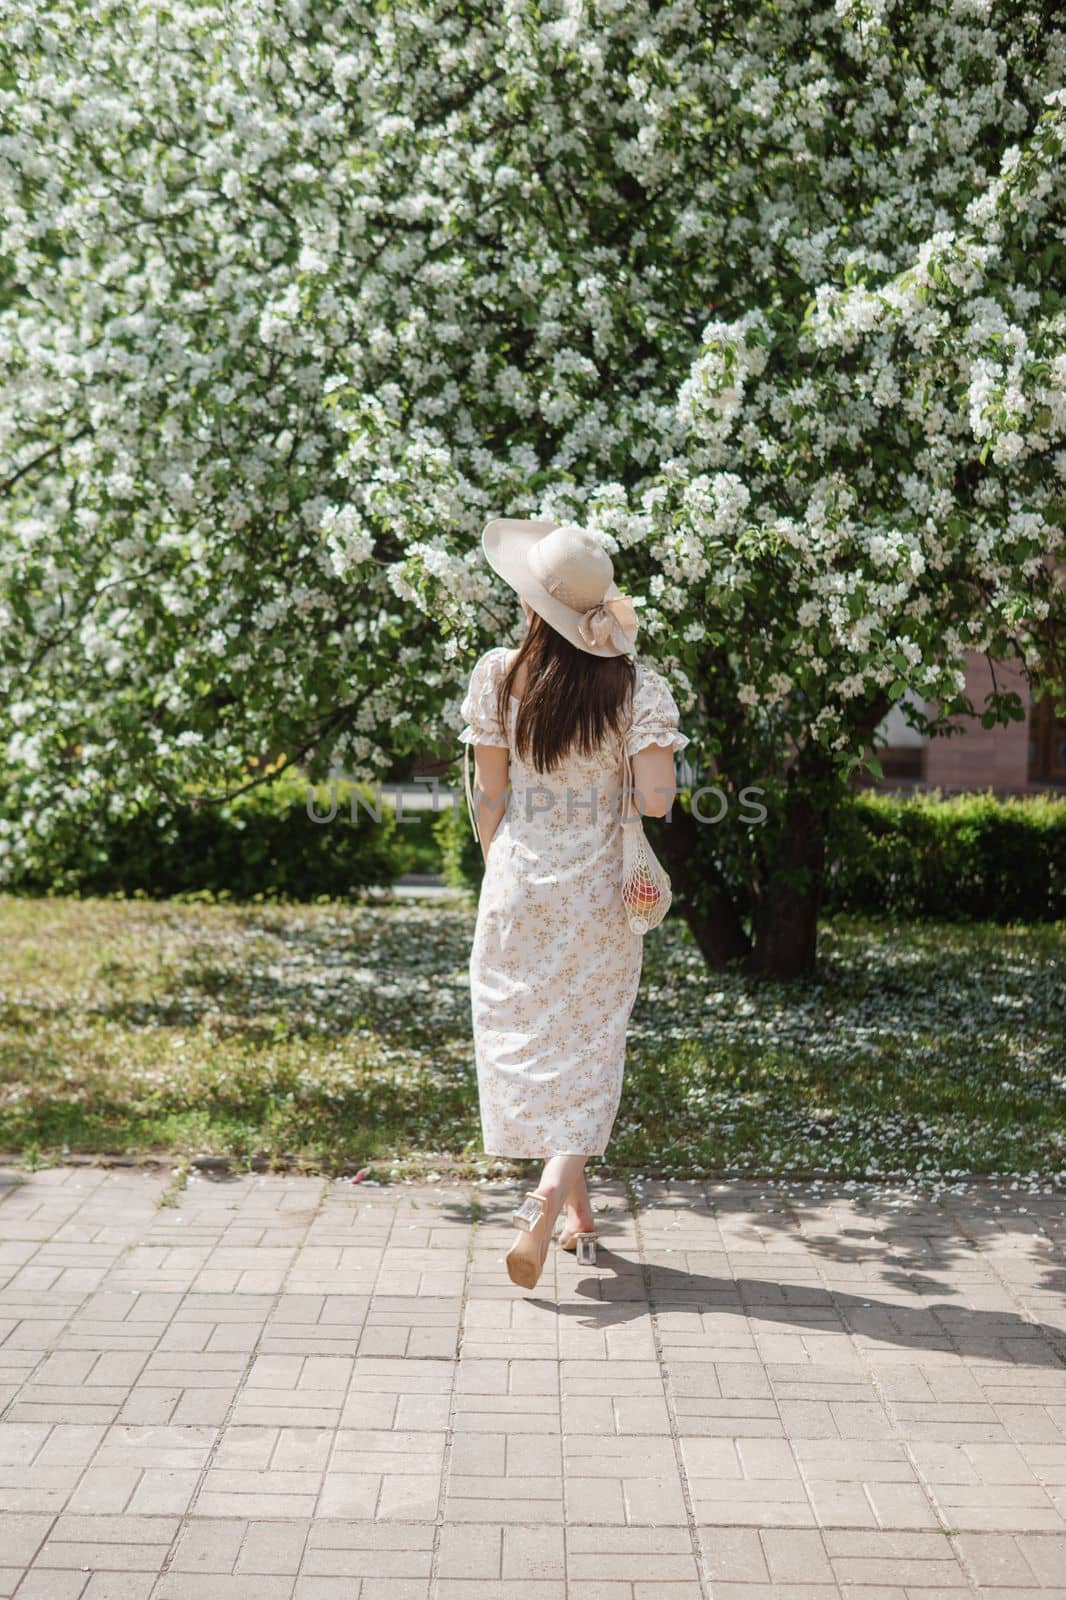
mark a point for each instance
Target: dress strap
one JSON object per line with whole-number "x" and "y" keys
{"x": 469, "y": 792}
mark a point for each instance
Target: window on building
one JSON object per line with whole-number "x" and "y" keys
{"x": 902, "y": 761}
{"x": 900, "y": 748}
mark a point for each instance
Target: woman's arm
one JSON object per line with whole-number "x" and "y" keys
{"x": 491, "y": 776}
{"x": 654, "y": 779}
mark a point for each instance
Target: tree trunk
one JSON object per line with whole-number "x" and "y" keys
{"x": 786, "y": 912}
{"x": 714, "y": 921}
{"x": 786, "y": 900}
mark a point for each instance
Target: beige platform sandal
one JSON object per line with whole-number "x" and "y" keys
{"x": 529, "y": 1217}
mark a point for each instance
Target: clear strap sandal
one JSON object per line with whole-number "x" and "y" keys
{"x": 582, "y": 1244}
{"x": 528, "y": 1214}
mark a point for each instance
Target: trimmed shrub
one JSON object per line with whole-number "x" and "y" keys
{"x": 264, "y": 844}
{"x": 461, "y": 861}
{"x": 964, "y": 857}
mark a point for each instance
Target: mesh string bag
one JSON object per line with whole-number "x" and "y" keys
{"x": 646, "y": 891}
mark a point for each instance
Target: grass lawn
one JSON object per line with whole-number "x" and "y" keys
{"x": 335, "y": 1036}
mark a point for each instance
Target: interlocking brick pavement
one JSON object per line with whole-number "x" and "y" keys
{"x": 294, "y": 1389}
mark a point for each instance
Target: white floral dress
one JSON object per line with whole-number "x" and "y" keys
{"x": 554, "y": 966}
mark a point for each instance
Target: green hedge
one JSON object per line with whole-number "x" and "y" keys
{"x": 461, "y": 862}
{"x": 262, "y": 844}
{"x": 967, "y": 856}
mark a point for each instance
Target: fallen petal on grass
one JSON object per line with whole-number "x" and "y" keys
{"x": 337, "y": 1038}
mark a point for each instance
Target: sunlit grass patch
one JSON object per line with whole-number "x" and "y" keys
{"x": 335, "y": 1036}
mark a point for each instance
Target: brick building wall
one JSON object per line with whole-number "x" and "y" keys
{"x": 1009, "y": 759}
{"x": 980, "y": 758}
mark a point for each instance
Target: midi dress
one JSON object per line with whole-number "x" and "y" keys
{"x": 554, "y": 965}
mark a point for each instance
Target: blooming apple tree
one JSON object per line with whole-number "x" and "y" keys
{"x": 294, "y": 296}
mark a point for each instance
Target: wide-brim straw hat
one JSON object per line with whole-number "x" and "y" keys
{"x": 567, "y": 576}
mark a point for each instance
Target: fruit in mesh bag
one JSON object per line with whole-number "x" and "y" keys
{"x": 640, "y": 893}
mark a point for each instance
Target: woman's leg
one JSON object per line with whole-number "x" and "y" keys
{"x": 561, "y": 1180}
{"x": 556, "y": 1184}
{"x": 579, "y": 1218}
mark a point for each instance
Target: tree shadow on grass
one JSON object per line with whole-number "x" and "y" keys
{"x": 333, "y": 1130}
{"x": 394, "y": 974}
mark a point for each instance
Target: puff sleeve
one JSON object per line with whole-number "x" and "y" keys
{"x": 656, "y": 718}
{"x": 479, "y": 704}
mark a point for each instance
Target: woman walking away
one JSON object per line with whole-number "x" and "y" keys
{"x": 554, "y": 964}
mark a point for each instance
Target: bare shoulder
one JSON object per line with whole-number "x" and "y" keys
{"x": 508, "y": 659}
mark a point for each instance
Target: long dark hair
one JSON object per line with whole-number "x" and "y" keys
{"x": 571, "y": 697}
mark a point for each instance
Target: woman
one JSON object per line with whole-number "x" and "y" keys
{"x": 554, "y": 966}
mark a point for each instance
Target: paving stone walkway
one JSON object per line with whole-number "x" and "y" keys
{"x": 290, "y": 1389}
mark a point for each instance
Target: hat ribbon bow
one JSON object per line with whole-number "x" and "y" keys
{"x": 614, "y": 620}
